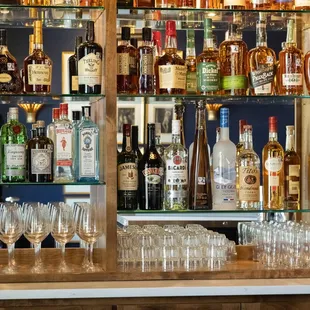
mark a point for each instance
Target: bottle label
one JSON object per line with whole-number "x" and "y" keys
{"x": 5, "y": 78}
{"x": 147, "y": 64}
{"x": 75, "y": 82}
{"x": 293, "y": 187}
{"x": 191, "y": 82}
{"x": 262, "y": 77}
{"x": 172, "y": 76}
{"x": 64, "y": 144}
{"x": 249, "y": 182}
{"x": 11, "y": 66}
{"x": 274, "y": 180}
{"x": 15, "y": 159}
{"x": 127, "y": 177}
{"x": 176, "y": 171}
{"x": 302, "y": 3}
{"x": 153, "y": 175}
{"x": 225, "y": 184}
{"x": 123, "y": 64}
{"x": 39, "y": 74}
{"x": 274, "y": 164}
{"x": 89, "y": 68}
{"x": 234, "y": 3}
{"x": 88, "y": 148}
{"x": 292, "y": 79}
{"x": 234, "y": 82}
{"x": 41, "y": 161}
{"x": 294, "y": 171}
{"x": 208, "y": 76}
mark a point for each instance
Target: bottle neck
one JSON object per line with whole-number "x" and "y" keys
{"x": 64, "y": 116}
{"x": 290, "y": 142}
{"x": 171, "y": 43}
{"x": 38, "y": 46}
{"x": 200, "y": 119}
{"x": 148, "y": 43}
{"x": 41, "y": 132}
{"x": 151, "y": 138}
{"x": 224, "y": 133}
{"x": 3, "y": 49}
{"x": 176, "y": 138}
{"x": 13, "y": 117}
{"x": 248, "y": 141}
{"x": 241, "y": 137}
{"x": 126, "y": 142}
{"x": 124, "y": 42}
{"x": 135, "y": 144}
{"x": 190, "y": 47}
{"x": 273, "y": 136}
{"x": 54, "y": 120}
{"x": 261, "y": 34}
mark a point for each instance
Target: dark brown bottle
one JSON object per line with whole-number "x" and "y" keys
{"x": 146, "y": 63}
{"x": 40, "y": 156}
{"x": 125, "y": 3}
{"x": 73, "y": 69}
{"x": 135, "y": 142}
{"x": 127, "y": 174}
{"x": 151, "y": 175}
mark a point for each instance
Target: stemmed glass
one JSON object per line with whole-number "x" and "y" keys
{"x": 89, "y": 229}
{"x": 37, "y": 227}
{"x": 11, "y": 229}
{"x": 63, "y": 230}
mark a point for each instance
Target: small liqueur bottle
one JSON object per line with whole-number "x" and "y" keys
{"x": 151, "y": 175}
{"x": 208, "y": 64}
{"x": 224, "y": 167}
{"x": 13, "y": 149}
{"x": 40, "y": 156}
{"x": 10, "y": 80}
{"x": 38, "y": 66}
{"x": 249, "y": 174}
{"x": 262, "y": 61}
{"x": 179, "y": 109}
{"x": 87, "y": 137}
{"x": 303, "y": 5}
{"x": 73, "y": 68}
{"x": 273, "y": 169}
{"x": 159, "y": 147}
{"x": 63, "y": 152}
{"x": 191, "y": 76}
{"x": 146, "y": 63}
{"x": 233, "y": 61}
{"x": 170, "y": 68}
{"x": 89, "y": 58}
{"x": 291, "y": 67}
{"x": 291, "y": 172}
{"x": 135, "y": 142}
{"x": 200, "y": 195}
{"x": 127, "y": 174}
{"x": 51, "y": 127}
{"x": 176, "y": 167}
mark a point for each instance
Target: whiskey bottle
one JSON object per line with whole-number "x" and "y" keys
{"x": 135, "y": 142}
{"x": 262, "y": 61}
{"x": 73, "y": 68}
{"x": 40, "y": 154}
{"x": 179, "y": 109}
{"x": 159, "y": 147}
{"x": 151, "y": 175}
{"x": 248, "y": 164}
{"x": 191, "y": 76}
{"x": 233, "y": 61}
{"x": 208, "y": 64}
{"x": 51, "y": 127}
{"x": 89, "y": 58}
{"x": 273, "y": 169}
{"x": 10, "y": 80}
{"x": 38, "y": 66}
{"x": 170, "y": 68}
{"x": 200, "y": 195}
{"x": 13, "y": 149}
{"x": 291, "y": 172}
{"x": 291, "y": 67}
{"x": 146, "y": 63}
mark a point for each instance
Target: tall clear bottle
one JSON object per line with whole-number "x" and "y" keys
{"x": 191, "y": 76}
{"x": 51, "y": 131}
{"x": 200, "y": 196}
{"x": 224, "y": 167}
{"x": 179, "y": 109}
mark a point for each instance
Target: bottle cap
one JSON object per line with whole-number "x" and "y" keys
{"x": 3, "y": 37}
{"x": 171, "y": 28}
{"x": 76, "y": 115}
{"x": 157, "y": 129}
{"x": 34, "y": 126}
{"x": 147, "y": 34}
{"x": 13, "y": 110}
{"x": 37, "y": 31}
{"x": 134, "y": 42}
{"x": 273, "y": 124}
{"x": 242, "y": 122}
{"x": 224, "y": 117}
{"x": 55, "y": 113}
{"x": 63, "y": 108}
{"x": 290, "y": 128}
{"x": 40, "y": 124}
{"x": 157, "y": 38}
{"x": 176, "y": 127}
{"x": 86, "y": 111}
{"x": 126, "y": 33}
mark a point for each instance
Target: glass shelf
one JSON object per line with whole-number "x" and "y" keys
{"x": 68, "y": 17}
{"x": 45, "y": 183}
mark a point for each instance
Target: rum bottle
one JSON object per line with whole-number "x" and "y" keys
{"x": 191, "y": 76}
{"x": 73, "y": 68}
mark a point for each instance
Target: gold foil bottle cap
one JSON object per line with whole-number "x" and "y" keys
{"x": 33, "y": 13}
{"x": 31, "y": 42}
{"x": 37, "y": 31}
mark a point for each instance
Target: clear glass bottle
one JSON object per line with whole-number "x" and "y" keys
{"x": 179, "y": 109}
{"x": 224, "y": 167}
{"x": 159, "y": 147}
{"x": 87, "y": 137}
{"x": 51, "y": 127}
{"x": 248, "y": 164}
{"x": 76, "y": 118}
{"x": 191, "y": 76}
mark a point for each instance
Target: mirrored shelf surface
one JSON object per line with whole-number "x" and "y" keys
{"x": 45, "y": 183}
{"x": 128, "y": 212}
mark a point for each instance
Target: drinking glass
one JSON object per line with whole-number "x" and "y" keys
{"x": 11, "y": 228}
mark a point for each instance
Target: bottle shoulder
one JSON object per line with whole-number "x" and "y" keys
{"x": 224, "y": 145}
{"x": 273, "y": 144}
{"x": 170, "y": 59}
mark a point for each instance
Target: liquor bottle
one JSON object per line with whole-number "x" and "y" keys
{"x": 125, "y": 3}
{"x": 157, "y": 45}
{"x": 291, "y": 172}
{"x": 161, "y": 3}
{"x": 134, "y": 42}
{"x": 200, "y": 195}
{"x": 151, "y": 175}
{"x": 234, "y": 4}
{"x": 159, "y": 147}
{"x": 38, "y": 66}
{"x": 259, "y": 5}
{"x": 170, "y": 68}
{"x": 51, "y": 127}
{"x": 10, "y": 80}
{"x": 73, "y": 68}
{"x": 191, "y": 76}
{"x": 145, "y": 3}
{"x": 63, "y": 152}
{"x": 76, "y": 118}
{"x": 224, "y": 167}
{"x": 233, "y": 62}
{"x": 273, "y": 169}
{"x": 89, "y": 58}
{"x": 127, "y": 174}
{"x": 282, "y": 5}
{"x": 303, "y": 5}
{"x": 248, "y": 164}
{"x": 176, "y": 167}
{"x": 33, "y": 131}
{"x": 262, "y": 61}
{"x": 40, "y": 154}
{"x": 291, "y": 68}
{"x": 307, "y": 70}
{"x": 240, "y": 144}
{"x": 179, "y": 109}
{"x": 13, "y": 149}
{"x": 208, "y": 64}
{"x": 87, "y": 152}
{"x": 146, "y": 63}
{"x": 135, "y": 142}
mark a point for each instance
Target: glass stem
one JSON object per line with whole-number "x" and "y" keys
{"x": 11, "y": 248}
{"x": 37, "y": 254}
{"x": 90, "y": 253}
{"x": 63, "y": 252}
{"x": 86, "y": 260}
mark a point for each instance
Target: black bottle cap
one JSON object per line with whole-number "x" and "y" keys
{"x": 86, "y": 111}
{"x": 78, "y": 41}
{"x": 134, "y": 42}
{"x": 146, "y": 34}
{"x": 126, "y": 33}
{"x": 3, "y": 36}
{"x": 76, "y": 115}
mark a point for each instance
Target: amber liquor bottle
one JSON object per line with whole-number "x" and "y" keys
{"x": 191, "y": 76}
{"x": 73, "y": 69}
{"x": 170, "y": 68}
{"x": 145, "y": 3}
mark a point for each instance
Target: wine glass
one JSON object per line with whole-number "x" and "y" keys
{"x": 63, "y": 230}
{"x": 37, "y": 227}
{"x": 89, "y": 229}
{"x": 11, "y": 229}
